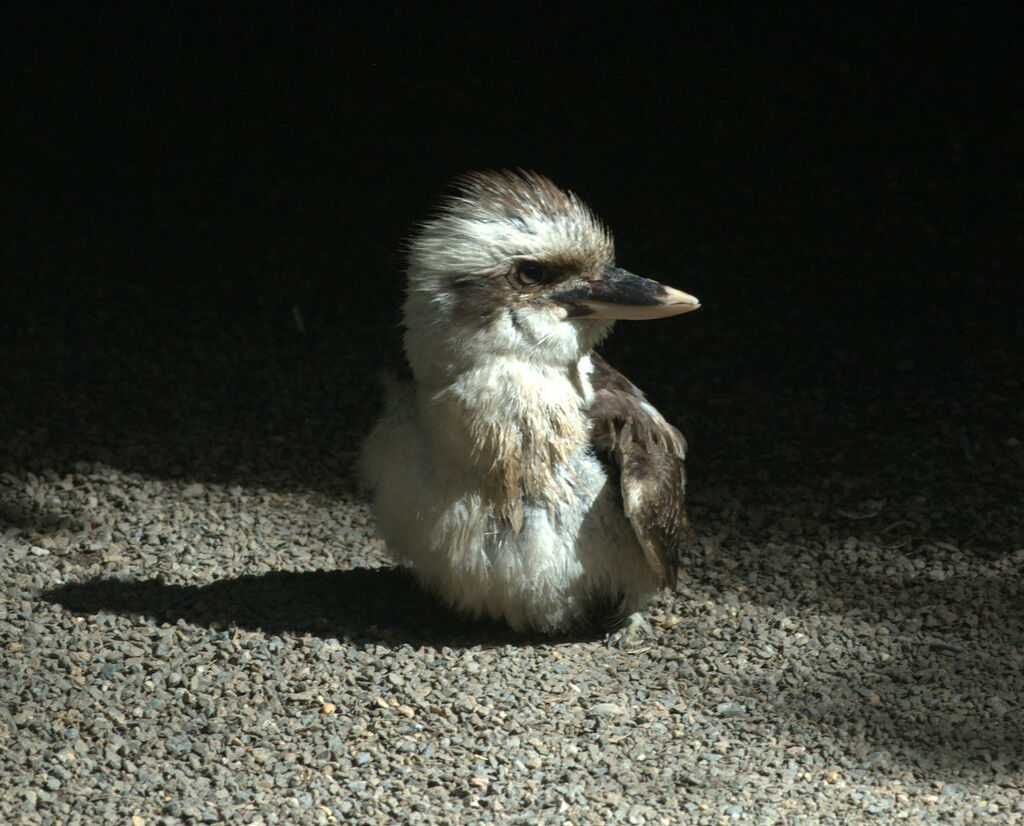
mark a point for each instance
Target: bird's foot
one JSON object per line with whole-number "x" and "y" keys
{"x": 631, "y": 634}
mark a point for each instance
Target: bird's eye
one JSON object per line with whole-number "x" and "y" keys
{"x": 530, "y": 274}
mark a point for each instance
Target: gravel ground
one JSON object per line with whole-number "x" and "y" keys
{"x": 198, "y": 623}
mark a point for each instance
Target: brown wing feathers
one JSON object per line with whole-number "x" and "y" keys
{"x": 649, "y": 454}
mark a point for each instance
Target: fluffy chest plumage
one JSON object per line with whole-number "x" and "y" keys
{"x": 520, "y": 431}
{"x": 490, "y": 489}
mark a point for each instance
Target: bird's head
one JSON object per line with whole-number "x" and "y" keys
{"x": 512, "y": 266}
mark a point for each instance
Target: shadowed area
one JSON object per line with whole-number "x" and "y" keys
{"x": 360, "y": 605}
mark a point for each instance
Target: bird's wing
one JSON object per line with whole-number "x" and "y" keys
{"x": 630, "y": 435}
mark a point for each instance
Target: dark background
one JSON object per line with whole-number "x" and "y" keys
{"x": 202, "y": 266}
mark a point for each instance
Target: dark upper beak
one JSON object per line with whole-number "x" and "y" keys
{"x": 620, "y": 294}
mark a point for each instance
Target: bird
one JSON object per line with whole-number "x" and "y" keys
{"x": 519, "y": 476}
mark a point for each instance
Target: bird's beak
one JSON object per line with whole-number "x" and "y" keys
{"x": 618, "y": 294}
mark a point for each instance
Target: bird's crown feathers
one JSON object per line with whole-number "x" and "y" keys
{"x": 494, "y": 217}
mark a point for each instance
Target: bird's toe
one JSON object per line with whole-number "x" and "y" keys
{"x": 631, "y": 634}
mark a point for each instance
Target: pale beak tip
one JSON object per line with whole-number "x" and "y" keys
{"x": 681, "y": 302}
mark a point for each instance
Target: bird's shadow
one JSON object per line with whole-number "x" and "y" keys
{"x": 359, "y": 605}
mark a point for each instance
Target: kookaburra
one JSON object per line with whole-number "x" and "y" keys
{"x": 519, "y": 475}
